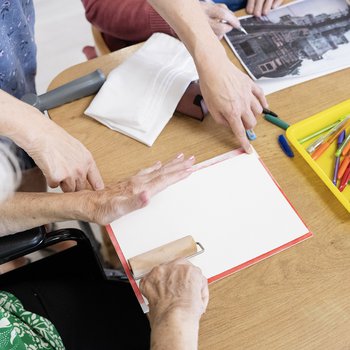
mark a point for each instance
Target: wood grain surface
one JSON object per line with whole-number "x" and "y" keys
{"x": 297, "y": 299}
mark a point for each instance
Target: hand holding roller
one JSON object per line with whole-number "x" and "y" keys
{"x": 185, "y": 247}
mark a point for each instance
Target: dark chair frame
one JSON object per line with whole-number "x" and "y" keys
{"x": 19, "y": 244}
{"x": 26, "y": 242}
{"x": 58, "y": 286}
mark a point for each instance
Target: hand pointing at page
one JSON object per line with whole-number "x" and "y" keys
{"x": 233, "y": 99}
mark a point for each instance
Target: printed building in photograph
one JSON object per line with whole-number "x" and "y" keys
{"x": 278, "y": 49}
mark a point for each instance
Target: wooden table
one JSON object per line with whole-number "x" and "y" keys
{"x": 298, "y": 299}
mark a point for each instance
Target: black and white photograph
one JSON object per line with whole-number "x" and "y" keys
{"x": 294, "y": 43}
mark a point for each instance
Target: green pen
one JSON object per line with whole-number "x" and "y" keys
{"x": 309, "y": 137}
{"x": 276, "y": 121}
{"x": 342, "y": 146}
{"x": 318, "y": 142}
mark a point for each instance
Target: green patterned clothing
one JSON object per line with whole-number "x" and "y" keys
{"x": 24, "y": 330}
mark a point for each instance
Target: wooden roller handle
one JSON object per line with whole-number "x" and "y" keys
{"x": 144, "y": 263}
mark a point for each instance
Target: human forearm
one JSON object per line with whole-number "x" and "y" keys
{"x": 63, "y": 160}
{"x": 191, "y": 25}
{"x": 176, "y": 330}
{"x": 18, "y": 120}
{"x": 29, "y": 209}
{"x": 178, "y": 295}
{"x": 232, "y": 98}
{"x": 26, "y": 210}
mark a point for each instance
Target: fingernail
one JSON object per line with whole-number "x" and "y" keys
{"x": 144, "y": 198}
{"x": 251, "y": 134}
{"x": 179, "y": 156}
{"x": 191, "y": 158}
{"x": 250, "y": 150}
{"x": 99, "y": 185}
{"x": 159, "y": 163}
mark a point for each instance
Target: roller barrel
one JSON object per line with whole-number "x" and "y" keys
{"x": 78, "y": 88}
{"x": 144, "y": 263}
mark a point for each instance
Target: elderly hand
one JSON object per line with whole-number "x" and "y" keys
{"x": 262, "y": 7}
{"x": 103, "y": 207}
{"x": 25, "y": 210}
{"x": 178, "y": 286}
{"x": 219, "y": 12}
{"x": 232, "y": 98}
{"x": 63, "y": 160}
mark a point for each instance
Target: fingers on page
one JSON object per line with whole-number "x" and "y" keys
{"x": 267, "y": 7}
{"x": 250, "y": 6}
{"x": 150, "y": 169}
{"x": 238, "y": 129}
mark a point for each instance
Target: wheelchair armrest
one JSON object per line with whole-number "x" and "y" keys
{"x": 20, "y": 242}
{"x": 23, "y": 243}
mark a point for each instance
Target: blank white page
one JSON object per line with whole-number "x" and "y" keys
{"x": 232, "y": 207}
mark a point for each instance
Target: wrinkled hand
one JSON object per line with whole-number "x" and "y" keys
{"x": 262, "y": 7}
{"x": 176, "y": 286}
{"x": 114, "y": 201}
{"x": 217, "y": 12}
{"x": 232, "y": 98}
{"x": 63, "y": 160}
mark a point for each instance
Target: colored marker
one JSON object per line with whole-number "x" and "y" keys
{"x": 311, "y": 136}
{"x": 320, "y": 150}
{"x": 344, "y": 164}
{"x": 342, "y": 146}
{"x": 337, "y": 158}
{"x": 241, "y": 29}
{"x": 317, "y": 143}
{"x": 276, "y": 121}
{"x": 267, "y": 111}
{"x": 282, "y": 141}
{"x": 346, "y": 149}
{"x": 336, "y": 168}
{"x": 250, "y": 134}
{"x": 345, "y": 179}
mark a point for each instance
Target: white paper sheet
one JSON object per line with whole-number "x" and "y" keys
{"x": 233, "y": 208}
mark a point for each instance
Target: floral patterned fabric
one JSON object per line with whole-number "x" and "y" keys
{"x": 24, "y": 330}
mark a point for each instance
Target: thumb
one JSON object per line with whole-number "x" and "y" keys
{"x": 222, "y": 13}
{"x": 232, "y": 20}
{"x": 94, "y": 177}
{"x": 132, "y": 203}
{"x": 205, "y": 293}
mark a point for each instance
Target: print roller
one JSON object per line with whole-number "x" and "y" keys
{"x": 78, "y": 88}
{"x": 185, "y": 247}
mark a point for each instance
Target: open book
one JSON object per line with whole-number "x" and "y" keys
{"x": 230, "y": 204}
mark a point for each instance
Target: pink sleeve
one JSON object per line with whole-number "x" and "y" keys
{"x": 129, "y": 20}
